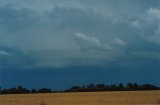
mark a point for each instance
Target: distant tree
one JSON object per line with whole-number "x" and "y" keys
{"x": 5, "y": 91}
{"x": 44, "y": 90}
{"x": 76, "y": 88}
{"x": 100, "y": 86}
{"x": 0, "y": 89}
{"x": 83, "y": 86}
{"x": 107, "y": 87}
{"x": 91, "y": 86}
{"x": 113, "y": 87}
{"x": 20, "y": 89}
{"x": 148, "y": 87}
{"x": 130, "y": 86}
{"x": 136, "y": 86}
{"x": 121, "y": 86}
{"x": 34, "y": 91}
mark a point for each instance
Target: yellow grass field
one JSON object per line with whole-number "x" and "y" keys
{"x": 88, "y": 98}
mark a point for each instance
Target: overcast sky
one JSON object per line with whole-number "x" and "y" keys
{"x": 110, "y": 35}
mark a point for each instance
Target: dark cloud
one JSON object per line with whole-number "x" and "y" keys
{"x": 56, "y": 33}
{"x": 14, "y": 58}
{"x": 12, "y": 19}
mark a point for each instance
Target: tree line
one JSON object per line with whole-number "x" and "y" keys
{"x": 113, "y": 87}
{"x": 22, "y": 90}
{"x": 84, "y": 88}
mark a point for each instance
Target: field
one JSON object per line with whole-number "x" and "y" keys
{"x": 88, "y": 98}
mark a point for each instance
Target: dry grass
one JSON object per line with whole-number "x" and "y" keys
{"x": 93, "y": 98}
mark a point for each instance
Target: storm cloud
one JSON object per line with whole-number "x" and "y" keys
{"x": 60, "y": 33}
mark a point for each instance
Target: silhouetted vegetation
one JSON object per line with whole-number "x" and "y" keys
{"x": 87, "y": 88}
{"x": 113, "y": 87}
{"x": 17, "y": 90}
{"x": 21, "y": 90}
{"x": 44, "y": 90}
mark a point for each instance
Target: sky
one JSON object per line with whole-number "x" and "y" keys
{"x": 60, "y": 43}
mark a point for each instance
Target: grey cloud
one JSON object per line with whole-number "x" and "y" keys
{"x": 4, "y": 53}
{"x": 89, "y": 42}
{"x": 14, "y": 57}
{"x": 154, "y": 15}
{"x": 149, "y": 25}
{"x": 59, "y": 59}
{"x": 16, "y": 19}
{"x": 119, "y": 42}
{"x": 45, "y": 37}
{"x": 135, "y": 24}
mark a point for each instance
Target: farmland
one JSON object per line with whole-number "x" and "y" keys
{"x": 84, "y": 98}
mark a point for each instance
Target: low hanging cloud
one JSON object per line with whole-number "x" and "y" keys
{"x": 89, "y": 42}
